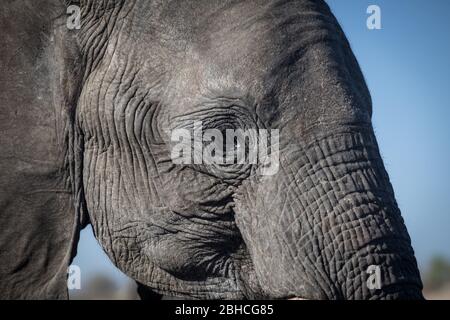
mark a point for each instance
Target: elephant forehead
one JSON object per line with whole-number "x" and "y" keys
{"x": 245, "y": 47}
{"x": 253, "y": 38}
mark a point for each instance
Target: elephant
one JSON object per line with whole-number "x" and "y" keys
{"x": 86, "y": 120}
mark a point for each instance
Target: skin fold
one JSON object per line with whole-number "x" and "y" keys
{"x": 88, "y": 141}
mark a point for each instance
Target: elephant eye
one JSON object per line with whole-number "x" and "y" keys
{"x": 230, "y": 144}
{"x": 230, "y": 148}
{"x": 236, "y": 146}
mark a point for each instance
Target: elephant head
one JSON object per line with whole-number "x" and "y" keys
{"x": 86, "y": 121}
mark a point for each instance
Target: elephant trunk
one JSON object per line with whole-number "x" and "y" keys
{"x": 327, "y": 225}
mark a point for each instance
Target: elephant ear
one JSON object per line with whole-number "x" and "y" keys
{"x": 39, "y": 221}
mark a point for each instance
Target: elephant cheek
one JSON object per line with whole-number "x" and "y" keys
{"x": 327, "y": 226}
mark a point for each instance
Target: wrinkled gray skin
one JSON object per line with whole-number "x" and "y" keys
{"x": 85, "y": 130}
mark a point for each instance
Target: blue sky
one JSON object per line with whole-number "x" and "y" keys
{"x": 407, "y": 68}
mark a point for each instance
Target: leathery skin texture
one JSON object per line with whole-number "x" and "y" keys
{"x": 138, "y": 69}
